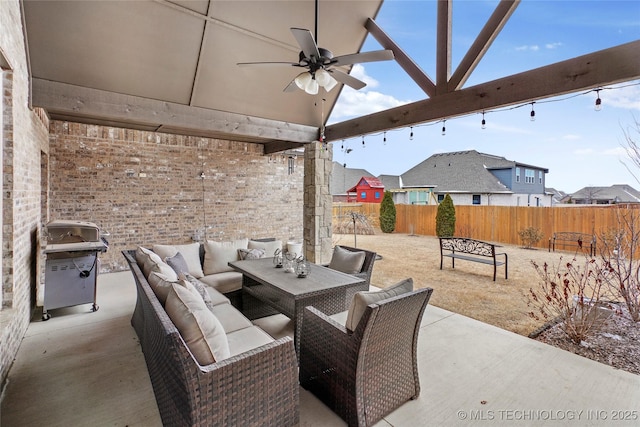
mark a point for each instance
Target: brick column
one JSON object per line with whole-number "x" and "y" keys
{"x": 317, "y": 202}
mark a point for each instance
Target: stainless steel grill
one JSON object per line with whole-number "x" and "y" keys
{"x": 72, "y": 265}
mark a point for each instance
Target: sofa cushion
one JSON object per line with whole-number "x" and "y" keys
{"x": 362, "y": 299}
{"x": 226, "y": 282}
{"x": 200, "y": 329}
{"x": 247, "y": 339}
{"x": 268, "y": 247}
{"x": 347, "y": 261}
{"x": 151, "y": 262}
{"x": 200, "y": 287}
{"x": 161, "y": 285}
{"x": 178, "y": 263}
{"x": 190, "y": 252}
{"x": 217, "y": 255}
{"x": 255, "y": 253}
{"x": 230, "y": 317}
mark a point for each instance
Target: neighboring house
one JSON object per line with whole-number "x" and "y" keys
{"x": 473, "y": 178}
{"x": 342, "y": 179}
{"x": 620, "y": 193}
{"x": 368, "y": 190}
{"x": 557, "y": 196}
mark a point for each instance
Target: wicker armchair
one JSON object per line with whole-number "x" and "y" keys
{"x": 367, "y": 265}
{"x": 365, "y": 374}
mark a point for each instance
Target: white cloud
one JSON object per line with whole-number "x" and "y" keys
{"x": 533, "y": 47}
{"x": 553, "y": 45}
{"x": 585, "y": 151}
{"x": 572, "y": 137}
{"x": 355, "y": 103}
{"x": 623, "y": 97}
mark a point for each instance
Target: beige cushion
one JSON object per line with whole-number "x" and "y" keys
{"x": 199, "y": 328}
{"x": 247, "y": 339}
{"x": 226, "y": 282}
{"x": 161, "y": 285}
{"x": 268, "y": 247}
{"x": 362, "y": 299}
{"x": 153, "y": 263}
{"x": 347, "y": 261}
{"x": 216, "y": 297}
{"x": 230, "y": 317}
{"x": 217, "y": 255}
{"x": 190, "y": 252}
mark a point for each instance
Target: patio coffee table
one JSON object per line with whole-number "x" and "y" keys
{"x": 328, "y": 290}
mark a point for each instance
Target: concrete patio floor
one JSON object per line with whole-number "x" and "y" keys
{"x": 83, "y": 368}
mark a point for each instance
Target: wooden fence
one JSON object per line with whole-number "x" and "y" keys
{"x": 499, "y": 224}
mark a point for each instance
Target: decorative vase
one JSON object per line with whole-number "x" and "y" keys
{"x": 302, "y": 267}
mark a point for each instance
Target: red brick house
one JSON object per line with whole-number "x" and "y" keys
{"x": 368, "y": 190}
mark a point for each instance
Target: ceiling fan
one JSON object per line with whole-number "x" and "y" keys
{"x": 321, "y": 64}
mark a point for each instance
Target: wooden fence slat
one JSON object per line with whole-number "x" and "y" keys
{"x": 498, "y": 223}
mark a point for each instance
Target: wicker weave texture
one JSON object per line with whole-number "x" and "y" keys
{"x": 256, "y": 388}
{"x": 365, "y": 374}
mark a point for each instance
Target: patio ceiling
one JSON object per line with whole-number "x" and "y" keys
{"x": 171, "y": 66}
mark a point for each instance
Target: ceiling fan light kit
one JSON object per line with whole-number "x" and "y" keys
{"x": 322, "y": 65}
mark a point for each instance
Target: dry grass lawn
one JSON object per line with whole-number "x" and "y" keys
{"x": 468, "y": 289}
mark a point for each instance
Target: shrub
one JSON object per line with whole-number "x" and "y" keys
{"x": 446, "y": 218}
{"x": 530, "y": 236}
{"x": 571, "y": 293}
{"x": 387, "y": 213}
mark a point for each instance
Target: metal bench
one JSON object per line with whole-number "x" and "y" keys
{"x": 471, "y": 250}
{"x": 573, "y": 240}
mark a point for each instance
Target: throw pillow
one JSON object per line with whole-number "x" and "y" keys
{"x": 153, "y": 263}
{"x": 268, "y": 247}
{"x": 190, "y": 252}
{"x": 362, "y": 299}
{"x": 200, "y": 328}
{"x": 201, "y": 289}
{"x": 217, "y": 255}
{"x": 161, "y": 285}
{"x": 347, "y": 261}
{"x": 178, "y": 263}
{"x": 251, "y": 253}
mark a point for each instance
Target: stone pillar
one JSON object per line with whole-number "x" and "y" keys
{"x": 318, "y": 202}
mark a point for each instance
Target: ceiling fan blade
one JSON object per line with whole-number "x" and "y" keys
{"x": 306, "y": 41}
{"x": 360, "y": 58}
{"x": 291, "y": 64}
{"x": 347, "y": 79}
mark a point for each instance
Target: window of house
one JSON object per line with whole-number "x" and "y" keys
{"x": 291, "y": 163}
{"x": 377, "y": 195}
{"x": 539, "y": 177}
{"x": 440, "y": 198}
{"x": 517, "y": 174}
{"x": 476, "y": 199}
{"x": 363, "y": 195}
{"x": 529, "y": 176}
{"x": 419, "y": 197}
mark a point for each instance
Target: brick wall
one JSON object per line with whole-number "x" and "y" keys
{"x": 145, "y": 187}
{"x": 24, "y": 139}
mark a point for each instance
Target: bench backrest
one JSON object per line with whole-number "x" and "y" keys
{"x": 468, "y": 246}
{"x": 573, "y": 236}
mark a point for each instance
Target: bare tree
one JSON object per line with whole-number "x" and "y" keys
{"x": 632, "y": 139}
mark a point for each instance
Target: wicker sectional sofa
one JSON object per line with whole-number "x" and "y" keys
{"x": 255, "y": 382}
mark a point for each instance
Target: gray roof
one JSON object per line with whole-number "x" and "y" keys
{"x": 620, "y": 193}
{"x": 343, "y": 178}
{"x": 461, "y": 171}
{"x": 390, "y": 182}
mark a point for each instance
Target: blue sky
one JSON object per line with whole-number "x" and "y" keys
{"x": 579, "y": 146}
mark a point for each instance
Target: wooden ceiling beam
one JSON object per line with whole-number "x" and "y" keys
{"x": 485, "y": 38}
{"x": 443, "y": 46}
{"x": 605, "y": 67}
{"x": 408, "y": 65}
{"x": 69, "y": 100}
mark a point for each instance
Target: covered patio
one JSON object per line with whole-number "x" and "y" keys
{"x": 135, "y": 115}
{"x": 87, "y": 368}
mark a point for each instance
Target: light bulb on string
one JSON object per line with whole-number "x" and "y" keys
{"x": 384, "y": 138}
{"x": 362, "y": 141}
{"x": 411, "y": 134}
{"x": 484, "y": 122}
{"x": 598, "y": 105}
{"x": 444, "y": 129}
{"x": 532, "y": 116}
{"x": 342, "y": 146}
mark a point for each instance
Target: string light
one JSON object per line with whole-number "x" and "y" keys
{"x": 598, "y": 105}
{"x": 444, "y": 129}
{"x": 484, "y": 123}
{"x": 362, "y": 141}
{"x": 411, "y": 134}
{"x": 342, "y": 146}
{"x": 532, "y": 116}
{"x": 384, "y": 139}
